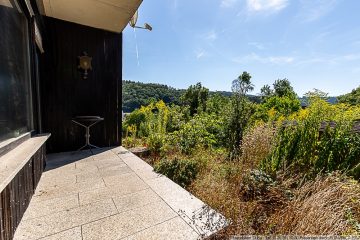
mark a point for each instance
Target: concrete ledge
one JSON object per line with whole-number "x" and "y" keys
{"x": 13, "y": 161}
{"x": 9, "y": 144}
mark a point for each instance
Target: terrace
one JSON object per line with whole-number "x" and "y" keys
{"x": 112, "y": 194}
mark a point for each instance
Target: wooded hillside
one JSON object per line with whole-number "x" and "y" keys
{"x": 136, "y": 94}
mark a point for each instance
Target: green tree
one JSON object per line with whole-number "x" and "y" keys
{"x": 282, "y": 88}
{"x": 277, "y": 102}
{"x": 266, "y": 91}
{"x": 196, "y": 97}
{"x": 241, "y": 110}
{"x": 352, "y": 98}
{"x": 283, "y": 106}
{"x": 217, "y": 104}
{"x": 315, "y": 94}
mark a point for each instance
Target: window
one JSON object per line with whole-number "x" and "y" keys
{"x": 15, "y": 87}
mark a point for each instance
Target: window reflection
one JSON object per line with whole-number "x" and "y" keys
{"x": 15, "y": 94}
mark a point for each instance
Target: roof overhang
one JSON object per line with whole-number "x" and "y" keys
{"x": 110, "y": 15}
{"x": 5, "y": 3}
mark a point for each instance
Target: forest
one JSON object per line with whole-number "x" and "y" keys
{"x": 278, "y": 165}
{"x": 137, "y": 94}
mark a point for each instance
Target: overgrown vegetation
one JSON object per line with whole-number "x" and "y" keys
{"x": 304, "y": 148}
{"x": 181, "y": 171}
{"x": 270, "y": 167}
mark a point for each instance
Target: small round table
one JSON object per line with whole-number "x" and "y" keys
{"x": 87, "y": 122}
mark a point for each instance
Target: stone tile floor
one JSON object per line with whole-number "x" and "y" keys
{"x": 112, "y": 194}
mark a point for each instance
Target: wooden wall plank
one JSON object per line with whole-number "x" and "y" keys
{"x": 16, "y": 196}
{"x": 66, "y": 94}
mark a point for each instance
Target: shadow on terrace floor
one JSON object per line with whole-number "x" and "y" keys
{"x": 56, "y": 160}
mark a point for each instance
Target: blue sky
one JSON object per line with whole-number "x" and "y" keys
{"x": 313, "y": 43}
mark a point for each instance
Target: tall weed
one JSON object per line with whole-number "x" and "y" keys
{"x": 257, "y": 144}
{"x": 318, "y": 139}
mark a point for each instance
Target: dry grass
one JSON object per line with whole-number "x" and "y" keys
{"x": 257, "y": 144}
{"x": 326, "y": 206}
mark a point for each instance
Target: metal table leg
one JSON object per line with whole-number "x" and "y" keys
{"x": 87, "y": 136}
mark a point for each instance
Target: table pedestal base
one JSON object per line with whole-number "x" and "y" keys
{"x": 87, "y": 135}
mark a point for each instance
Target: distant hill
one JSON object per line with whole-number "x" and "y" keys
{"x": 136, "y": 94}
{"x": 331, "y": 100}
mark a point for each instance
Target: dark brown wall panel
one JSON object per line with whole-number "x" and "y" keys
{"x": 16, "y": 196}
{"x": 65, "y": 94}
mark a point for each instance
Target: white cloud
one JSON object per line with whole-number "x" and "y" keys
{"x": 315, "y": 9}
{"x": 253, "y": 57}
{"x": 281, "y": 60}
{"x": 200, "y": 53}
{"x": 331, "y": 59}
{"x": 259, "y": 46}
{"x": 350, "y": 57}
{"x": 228, "y": 3}
{"x": 248, "y": 58}
{"x": 269, "y": 6}
{"x": 212, "y": 35}
{"x": 315, "y": 60}
{"x": 299, "y": 61}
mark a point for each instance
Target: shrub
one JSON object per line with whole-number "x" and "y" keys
{"x": 156, "y": 143}
{"x": 134, "y": 119}
{"x": 181, "y": 171}
{"x": 339, "y": 149}
{"x": 275, "y": 108}
{"x": 255, "y": 184}
{"x": 203, "y": 130}
{"x": 129, "y": 139}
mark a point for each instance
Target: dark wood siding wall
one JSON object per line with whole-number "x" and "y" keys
{"x": 65, "y": 94}
{"x": 16, "y": 196}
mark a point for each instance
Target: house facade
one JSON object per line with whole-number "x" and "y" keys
{"x": 43, "y": 86}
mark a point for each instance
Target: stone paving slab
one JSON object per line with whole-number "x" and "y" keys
{"x": 128, "y": 223}
{"x": 56, "y": 191}
{"x": 112, "y": 194}
{"x": 172, "y": 229}
{"x": 135, "y": 200}
{"x": 43, "y": 208}
{"x": 48, "y": 225}
{"x": 114, "y": 170}
{"x": 130, "y": 184}
{"x": 58, "y": 180}
{"x": 70, "y": 234}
